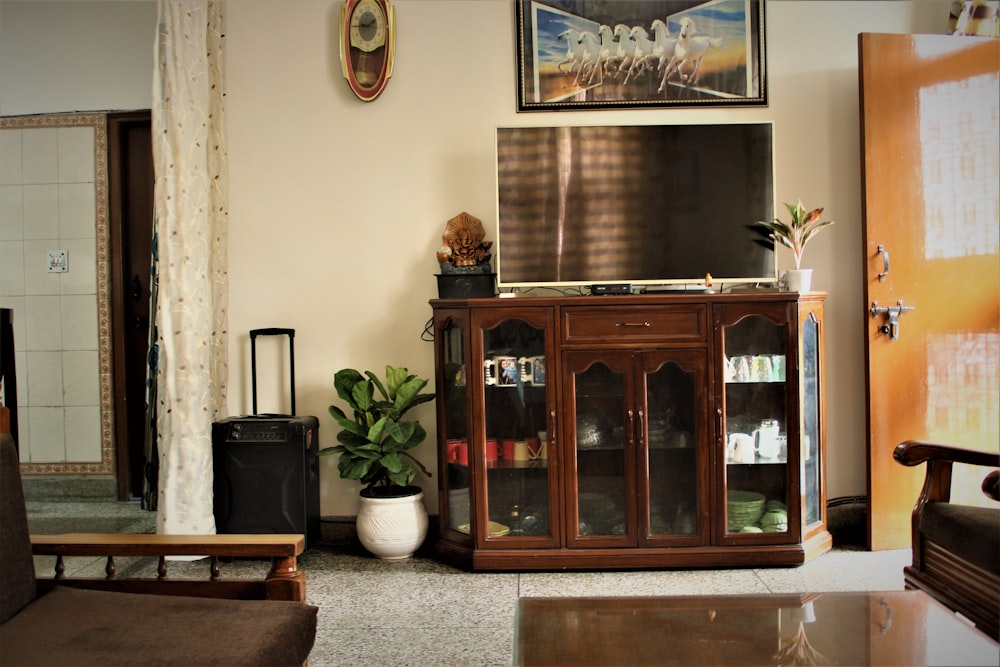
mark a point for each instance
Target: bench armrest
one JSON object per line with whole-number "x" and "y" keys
{"x": 284, "y": 580}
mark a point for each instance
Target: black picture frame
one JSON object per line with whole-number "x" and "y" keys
{"x": 558, "y": 42}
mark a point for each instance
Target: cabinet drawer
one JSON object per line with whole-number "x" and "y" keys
{"x": 631, "y": 324}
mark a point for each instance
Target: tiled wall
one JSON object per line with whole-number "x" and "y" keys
{"x": 48, "y": 202}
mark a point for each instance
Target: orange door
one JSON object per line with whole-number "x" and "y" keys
{"x": 929, "y": 116}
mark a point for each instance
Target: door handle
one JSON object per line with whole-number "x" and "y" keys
{"x": 885, "y": 263}
{"x": 891, "y": 327}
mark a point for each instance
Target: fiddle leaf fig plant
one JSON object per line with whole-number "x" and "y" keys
{"x": 795, "y": 235}
{"x": 375, "y": 441}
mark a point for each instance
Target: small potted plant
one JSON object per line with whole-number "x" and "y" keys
{"x": 374, "y": 447}
{"x": 804, "y": 225}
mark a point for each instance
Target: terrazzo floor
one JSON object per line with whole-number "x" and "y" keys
{"x": 421, "y": 612}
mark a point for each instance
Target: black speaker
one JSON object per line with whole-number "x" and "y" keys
{"x": 267, "y": 475}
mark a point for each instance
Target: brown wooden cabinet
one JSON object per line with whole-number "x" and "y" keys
{"x": 635, "y": 431}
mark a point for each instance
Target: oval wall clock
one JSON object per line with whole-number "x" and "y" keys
{"x": 367, "y": 45}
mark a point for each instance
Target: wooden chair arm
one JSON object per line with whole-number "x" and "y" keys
{"x": 939, "y": 459}
{"x": 915, "y": 452}
{"x": 284, "y": 581}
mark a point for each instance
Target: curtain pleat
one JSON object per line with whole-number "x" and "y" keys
{"x": 151, "y": 470}
{"x": 191, "y": 202}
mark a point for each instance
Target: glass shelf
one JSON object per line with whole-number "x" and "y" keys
{"x": 751, "y": 382}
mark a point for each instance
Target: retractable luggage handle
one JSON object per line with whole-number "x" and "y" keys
{"x": 253, "y": 359}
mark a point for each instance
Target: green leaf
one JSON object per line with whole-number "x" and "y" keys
{"x": 351, "y": 468}
{"x": 408, "y": 395}
{"x": 394, "y": 378}
{"x": 353, "y": 440}
{"x": 400, "y": 431}
{"x": 403, "y": 477}
{"x": 392, "y": 462}
{"x": 361, "y": 395}
{"x": 378, "y": 383}
{"x": 344, "y": 382}
{"x": 345, "y": 423}
{"x": 375, "y": 432}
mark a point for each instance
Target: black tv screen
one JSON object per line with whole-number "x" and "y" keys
{"x": 643, "y": 204}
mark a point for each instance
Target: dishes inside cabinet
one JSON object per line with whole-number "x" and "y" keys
{"x": 495, "y": 529}
{"x": 743, "y": 508}
{"x": 592, "y": 430}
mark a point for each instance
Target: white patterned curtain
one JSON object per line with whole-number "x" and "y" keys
{"x": 191, "y": 201}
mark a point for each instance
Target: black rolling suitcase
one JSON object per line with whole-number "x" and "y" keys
{"x": 267, "y": 465}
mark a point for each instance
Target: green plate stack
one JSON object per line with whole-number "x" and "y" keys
{"x": 743, "y": 508}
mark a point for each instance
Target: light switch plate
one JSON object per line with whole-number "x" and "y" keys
{"x": 58, "y": 261}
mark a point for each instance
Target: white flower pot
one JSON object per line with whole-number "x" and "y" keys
{"x": 799, "y": 280}
{"x": 392, "y": 528}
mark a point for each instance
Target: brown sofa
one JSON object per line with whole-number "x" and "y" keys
{"x": 956, "y": 548}
{"x": 159, "y": 621}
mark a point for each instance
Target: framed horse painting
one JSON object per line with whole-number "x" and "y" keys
{"x": 594, "y": 54}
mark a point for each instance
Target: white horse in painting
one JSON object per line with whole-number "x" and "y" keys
{"x": 596, "y": 51}
{"x": 656, "y": 50}
{"x": 664, "y": 43}
{"x": 626, "y": 49}
{"x": 574, "y": 50}
{"x": 643, "y": 50}
{"x": 689, "y": 49}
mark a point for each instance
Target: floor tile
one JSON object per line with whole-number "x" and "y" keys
{"x": 659, "y": 582}
{"x": 841, "y": 571}
{"x": 413, "y": 647}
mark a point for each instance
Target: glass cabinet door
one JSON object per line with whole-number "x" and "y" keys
{"x": 517, "y": 417}
{"x": 756, "y": 425}
{"x": 813, "y": 490}
{"x": 673, "y": 421}
{"x": 453, "y": 416}
{"x": 600, "y": 502}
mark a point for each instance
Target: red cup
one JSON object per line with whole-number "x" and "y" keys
{"x": 508, "y": 450}
{"x": 458, "y": 451}
{"x": 492, "y": 450}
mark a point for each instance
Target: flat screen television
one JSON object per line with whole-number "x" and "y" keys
{"x": 643, "y": 205}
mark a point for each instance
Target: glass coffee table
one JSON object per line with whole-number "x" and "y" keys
{"x": 860, "y": 628}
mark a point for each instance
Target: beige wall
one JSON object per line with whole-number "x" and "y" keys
{"x": 337, "y": 206}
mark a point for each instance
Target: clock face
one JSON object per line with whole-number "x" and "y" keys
{"x": 368, "y": 26}
{"x": 367, "y": 45}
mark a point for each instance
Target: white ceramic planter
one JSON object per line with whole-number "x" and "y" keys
{"x": 799, "y": 280}
{"x": 392, "y": 528}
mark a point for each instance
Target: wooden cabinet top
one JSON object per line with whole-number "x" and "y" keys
{"x": 659, "y": 299}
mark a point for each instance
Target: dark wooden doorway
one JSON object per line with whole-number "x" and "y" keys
{"x": 130, "y": 194}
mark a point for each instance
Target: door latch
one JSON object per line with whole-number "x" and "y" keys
{"x": 892, "y": 326}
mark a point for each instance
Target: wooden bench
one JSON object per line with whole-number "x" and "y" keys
{"x": 108, "y": 620}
